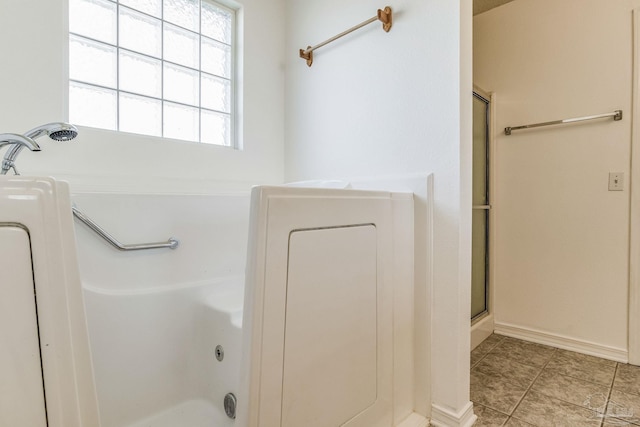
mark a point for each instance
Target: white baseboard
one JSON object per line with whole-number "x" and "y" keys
{"x": 481, "y": 330}
{"x": 563, "y": 342}
{"x": 441, "y": 417}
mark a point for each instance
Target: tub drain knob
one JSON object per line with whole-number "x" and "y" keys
{"x": 230, "y": 405}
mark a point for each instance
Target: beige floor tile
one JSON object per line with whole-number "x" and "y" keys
{"x": 476, "y": 357}
{"x": 615, "y": 422}
{"x": 488, "y": 417}
{"x": 502, "y": 367}
{"x": 491, "y": 341}
{"x": 524, "y": 352}
{"x": 514, "y": 422}
{"x": 545, "y": 411}
{"x": 627, "y": 379}
{"x": 495, "y": 393}
{"x": 573, "y": 390}
{"x": 572, "y": 355}
{"x": 582, "y": 369}
{"x": 624, "y": 406}
{"x": 485, "y": 347}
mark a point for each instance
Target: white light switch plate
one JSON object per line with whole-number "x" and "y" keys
{"x": 616, "y": 181}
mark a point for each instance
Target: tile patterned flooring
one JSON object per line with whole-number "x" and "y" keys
{"x": 517, "y": 383}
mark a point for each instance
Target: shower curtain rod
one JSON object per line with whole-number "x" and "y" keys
{"x": 385, "y": 16}
{"x": 617, "y": 115}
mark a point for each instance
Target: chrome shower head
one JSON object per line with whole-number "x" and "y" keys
{"x": 56, "y": 131}
{"x": 63, "y": 135}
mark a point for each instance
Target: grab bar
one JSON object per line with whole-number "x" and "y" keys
{"x": 171, "y": 243}
{"x": 617, "y": 115}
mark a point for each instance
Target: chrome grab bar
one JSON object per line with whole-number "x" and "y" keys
{"x": 171, "y": 243}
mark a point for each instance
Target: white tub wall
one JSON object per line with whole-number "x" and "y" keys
{"x": 212, "y": 230}
{"x": 141, "y": 347}
{"x": 33, "y": 38}
{"x": 219, "y": 322}
{"x": 154, "y": 352}
{"x": 151, "y": 329}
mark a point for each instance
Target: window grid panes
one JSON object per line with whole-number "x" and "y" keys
{"x": 155, "y": 67}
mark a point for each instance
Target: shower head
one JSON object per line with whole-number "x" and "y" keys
{"x": 56, "y": 131}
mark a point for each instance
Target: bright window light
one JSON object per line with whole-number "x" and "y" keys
{"x": 154, "y": 67}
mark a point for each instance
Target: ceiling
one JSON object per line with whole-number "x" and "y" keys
{"x": 480, "y": 6}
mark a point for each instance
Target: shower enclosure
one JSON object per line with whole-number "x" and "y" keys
{"x": 481, "y": 207}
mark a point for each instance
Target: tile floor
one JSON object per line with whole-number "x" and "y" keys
{"x": 517, "y": 383}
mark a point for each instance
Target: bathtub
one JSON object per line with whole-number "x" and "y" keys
{"x": 156, "y": 317}
{"x": 175, "y": 332}
{"x": 155, "y": 352}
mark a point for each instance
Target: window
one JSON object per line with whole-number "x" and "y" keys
{"x": 154, "y": 67}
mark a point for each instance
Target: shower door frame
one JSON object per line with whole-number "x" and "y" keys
{"x": 483, "y": 325}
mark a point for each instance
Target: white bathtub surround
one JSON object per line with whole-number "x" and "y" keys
{"x": 155, "y": 317}
{"x": 154, "y": 353}
{"x": 212, "y": 229}
{"x": 36, "y": 212}
{"x": 319, "y": 306}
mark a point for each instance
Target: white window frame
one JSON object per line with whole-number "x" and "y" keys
{"x": 233, "y": 113}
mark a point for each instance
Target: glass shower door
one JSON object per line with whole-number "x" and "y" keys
{"x": 481, "y": 207}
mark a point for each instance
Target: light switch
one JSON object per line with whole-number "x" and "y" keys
{"x": 616, "y": 181}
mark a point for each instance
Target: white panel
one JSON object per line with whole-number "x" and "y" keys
{"x": 41, "y": 205}
{"x": 269, "y": 316}
{"x": 331, "y": 321}
{"x": 21, "y": 386}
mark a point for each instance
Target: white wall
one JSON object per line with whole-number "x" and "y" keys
{"x": 377, "y": 103}
{"x": 33, "y": 45}
{"x": 562, "y": 245}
